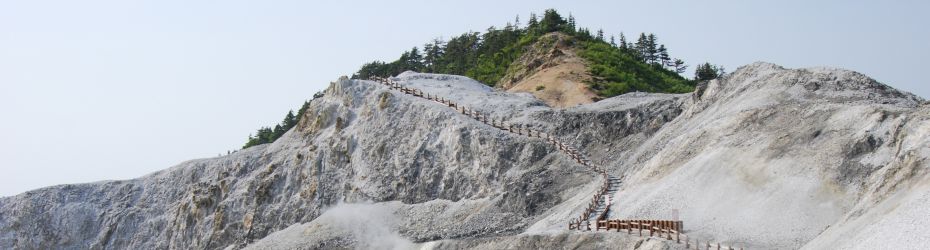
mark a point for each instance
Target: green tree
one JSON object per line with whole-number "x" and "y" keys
{"x": 679, "y": 66}
{"x": 532, "y": 24}
{"x": 571, "y": 22}
{"x": 707, "y": 71}
{"x": 368, "y": 70}
{"x": 269, "y": 134}
{"x": 652, "y": 52}
{"x": 552, "y": 21}
{"x": 662, "y": 56}
{"x": 486, "y": 56}
{"x": 433, "y": 55}
{"x": 415, "y": 60}
{"x": 302, "y": 111}
{"x": 289, "y": 120}
{"x": 641, "y": 47}
{"x": 461, "y": 53}
{"x": 623, "y": 42}
{"x": 618, "y": 71}
{"x": 584, "y": 34}
{"x": 277, "y": 132}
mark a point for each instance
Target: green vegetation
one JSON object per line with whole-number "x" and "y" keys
{"x": 483, "y": 57}
{"x": 269, "y": 135}
{"x": 618, "y": 67}
{"x": 631, "y": 67}
{"x": 706, "y": 71}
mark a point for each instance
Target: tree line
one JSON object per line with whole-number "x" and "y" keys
{"x": 618, "y": 66}
{"x": 270, "y": 134}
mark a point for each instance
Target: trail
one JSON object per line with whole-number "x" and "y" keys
{"x": 597, "y": 212}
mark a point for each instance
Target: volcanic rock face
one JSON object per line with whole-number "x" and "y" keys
{"x": 766, "y": 157}
{"x": 775, "y": 157}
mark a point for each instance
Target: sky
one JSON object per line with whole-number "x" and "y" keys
{"x": 105, "y": 90}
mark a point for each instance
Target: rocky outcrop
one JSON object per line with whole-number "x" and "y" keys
{"x": 767, "y": 157}
{"x": 774, "y": 157}
{"x": 360, "y": 143}
{"x": 552, "y": 71}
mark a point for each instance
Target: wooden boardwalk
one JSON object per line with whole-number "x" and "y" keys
{"x": 597, "y": 210}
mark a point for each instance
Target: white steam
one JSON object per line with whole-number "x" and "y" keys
{"x": 372, "y": 225}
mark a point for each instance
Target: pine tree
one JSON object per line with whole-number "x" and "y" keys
{"x": 613, "y": 41}
{"x": 623, "y": 43}
{"x": 264, "y": 135}
{"x": 415, "y": 60}
{"x": 679, "y": 66}
{"x": 532, "y": 23}
{"x": 289, "y": 120}
{"x": 268, "y": 135}
{"x": 461, "y": 53}
{"x": 651, "y": 49}
{"x": 552, "y": 21}
{"x": 571, "y": 22}
{"x": 250, "y": 142}
{"x": 428, "y": 61}
{"x": 433, "y": 54}
{"x": 583, "y": 34}
{"x": 706, "y": 71}
{"x": 663, "y": 57}
{"x": 376, "y": 68}
{"x": 276, "y": 133}
{"x": 642, "y": 47}
{"x": 600, "y": 35}
{"x": 303, "y": 109}
{"x": 516, "y": 21}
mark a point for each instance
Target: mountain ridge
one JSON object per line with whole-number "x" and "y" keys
{"x": 754, "y": 131}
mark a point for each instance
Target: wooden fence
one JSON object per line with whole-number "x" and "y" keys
{"x": 656, "y": 228}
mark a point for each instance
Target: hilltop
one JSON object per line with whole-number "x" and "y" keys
{"x": 551, "y": 58}
{"x": 765, "y": 157}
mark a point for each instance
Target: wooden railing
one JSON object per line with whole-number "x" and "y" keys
{"x": 656, "y": 228}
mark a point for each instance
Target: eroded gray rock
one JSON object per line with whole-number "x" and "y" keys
{"x": 765, "y": 156}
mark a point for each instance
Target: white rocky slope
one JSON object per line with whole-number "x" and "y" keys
{"x": 767, "y": 157}
{"x": 775, "y": 157}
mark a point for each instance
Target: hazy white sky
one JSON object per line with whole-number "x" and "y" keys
{"x": 99, "y": 90}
